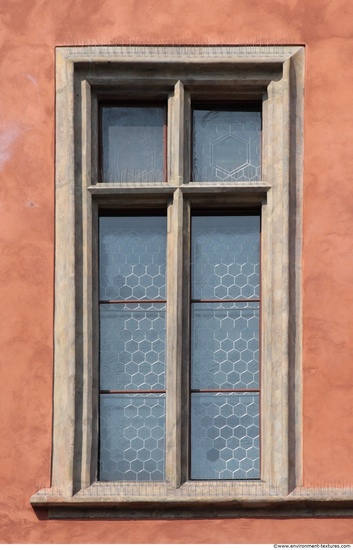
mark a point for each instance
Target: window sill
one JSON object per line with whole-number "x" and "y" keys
{"x": 106, "y": 500}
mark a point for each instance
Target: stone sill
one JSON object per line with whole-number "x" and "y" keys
{"x": 322, "y": 502}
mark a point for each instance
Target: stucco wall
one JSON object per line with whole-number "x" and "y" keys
{"x": 29, "y": 32}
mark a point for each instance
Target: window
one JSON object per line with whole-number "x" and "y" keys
{"x": 177, "y": 317}
{"x": 132, "y": 347}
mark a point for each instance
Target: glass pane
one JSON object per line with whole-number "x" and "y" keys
{"x": 226, "y": 145}
{"x": 133, "y": 149}
{"x": 225, "y": 257}
{"x": 225, "y": 436}
{"x": 132, "y": 257}
{"x": 132, "y": 437}
{"x": 224, "y": 346}
{"x": 132, "y": 346}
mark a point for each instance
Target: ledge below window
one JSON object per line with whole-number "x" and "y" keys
{"x": 105, "y": 502}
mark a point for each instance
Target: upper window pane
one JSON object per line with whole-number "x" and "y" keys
{"x": 225, "y": 257}
{"x": 226, "y": 145}
{"x": 132, "y": 257}
{"x": 133, "y": 144}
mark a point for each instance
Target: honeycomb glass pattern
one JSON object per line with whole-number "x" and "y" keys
{"x": 132, "y": 442}
{"x": 226, "y": 145}
{"x": 225, "y": 345}
{"x": 225, "y": 257}
{"x": 132, "y": 257}
{"x": 225, "y": 436}
{"x": 132, "y": 346}
{"x": 133, "y": 144}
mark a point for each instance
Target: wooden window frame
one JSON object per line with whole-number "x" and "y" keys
{"x": 273, "y": 75}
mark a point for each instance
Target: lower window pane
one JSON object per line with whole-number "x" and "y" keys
{"x": 225, "y": 441}
{"x": 132, "y": 437}
{"x": 132, "y": 346}
{"x": 225, "y": 345}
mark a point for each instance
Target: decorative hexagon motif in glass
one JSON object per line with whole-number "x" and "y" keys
{"x": 132, "y": 257}
{"x": 132, "y": 437}
{"x": 225, "y": 345}
{"x": 132, "y": 346}
{"x": 225, "y": 257}
{"x": 225, "y": 436}
{"x": 226, "y": 145}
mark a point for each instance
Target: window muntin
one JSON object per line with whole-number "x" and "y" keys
{"x": 132, "y": 347}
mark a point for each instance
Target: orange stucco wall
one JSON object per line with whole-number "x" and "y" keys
{"x": 29, "y": 32}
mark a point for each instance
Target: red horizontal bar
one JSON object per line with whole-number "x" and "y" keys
{"x": 131, "y": 391}
{"x": 237, "y": 390}
{"x": 132, "y": 301}
{"x": 214, "y": 300}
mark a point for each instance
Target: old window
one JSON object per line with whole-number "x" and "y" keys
{"x": 177, "y": 331}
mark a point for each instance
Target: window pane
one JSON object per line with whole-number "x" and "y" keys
{"x": 226, "y": 145}
{"x": 225, "y": 345}
{"x": 132, "y": 442}
{"x": 133, "y": 149}
{"x": 132, "y": 257}
{"x": 225, "y": 257}
{"x": 132, "y": 346}
{"x": 225, "y": 436}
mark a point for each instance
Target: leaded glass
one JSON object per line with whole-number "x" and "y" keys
{"x": 225, "y": 345}
{"x": 225, "y": 436}
{"x": 132, "y": 437}
{"x": 225, "y": 257}
{"x": 132, "y": 346}
{"x": 226, "y": 145}
{"x": 132, "y": 257}
{"x": 132, "y": 148}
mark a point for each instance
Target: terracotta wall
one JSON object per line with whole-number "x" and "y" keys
{"x": 29, "y": 32}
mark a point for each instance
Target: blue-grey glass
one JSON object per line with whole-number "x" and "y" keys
{"x": 225, "y": 345}
{"x": 225, "y": 441}
{"x": 226, "y": 145}
{"x": 132, "y": 346}
{"x": 132, "y": 257}
{"x": 225, "y": 257}
{"x": 132, "y": 437}
{"x": 133, "y": 148}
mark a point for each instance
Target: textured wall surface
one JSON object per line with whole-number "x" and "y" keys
{"x": 29, "y": 32}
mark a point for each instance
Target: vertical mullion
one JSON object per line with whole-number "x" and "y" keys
{"x": 186, "y": 325}
{"x": 174, "y": 339}
{"x": 89, "y": 292}
{"x": 87, "y": 306}
{"x": 179, "y": 135}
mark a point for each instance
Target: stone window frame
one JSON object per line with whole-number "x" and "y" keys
{"x": 84, "y": 75}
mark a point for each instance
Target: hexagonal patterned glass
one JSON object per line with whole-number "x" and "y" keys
{"x": 226, "y": 145}
{"x": 225, "y": 345}
{"x": 132, "y": 257}
{"x": 225, "y": 436}
{"x": 132, "y": 346}
{"x": 225, "y": 257}
{"x": 132, "y": 437}
{"x": 132, "y": 147}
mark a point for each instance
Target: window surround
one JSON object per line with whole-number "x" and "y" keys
{"x": 84, "y": 75}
